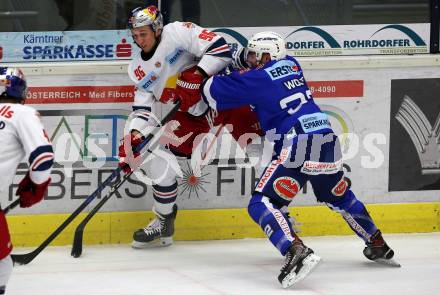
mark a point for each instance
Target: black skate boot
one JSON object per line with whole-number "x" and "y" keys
{"x": 299, "y": 262}
{"x": 159, "y": 229}
{"x": 377, "y": 250}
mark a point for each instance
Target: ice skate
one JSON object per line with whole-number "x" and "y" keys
{"x": 300, "y": 261}
{"x": 158, "y": 233}
{"x": 378, "y": 251}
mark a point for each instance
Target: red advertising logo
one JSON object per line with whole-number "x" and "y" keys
{"x": 343, "y": 88}
{"x": 80, "y": 94}
{"x": 1, "y": 52}
{"x": 286, "y": 187}
{"x": 340, "y": 188}
{"x": 123, "y": 49}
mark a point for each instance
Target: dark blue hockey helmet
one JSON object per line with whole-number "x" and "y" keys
{"x": 12, "y": 83}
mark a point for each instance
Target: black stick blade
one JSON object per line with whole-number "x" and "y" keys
{"x": 23, "y": 259}
{"x": 77, "y": 243}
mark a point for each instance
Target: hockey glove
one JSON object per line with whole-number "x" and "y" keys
{"x": 128, "y": 157}
{"x": 30, "y": 192}
{"x": 168, "y": 94}
{"x": 239, "y": 61}
{"x": 188, "y": 89}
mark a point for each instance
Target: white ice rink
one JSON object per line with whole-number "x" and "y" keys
{"x": 244, "y": 267}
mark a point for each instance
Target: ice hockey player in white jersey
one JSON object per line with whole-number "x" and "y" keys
{"x": 173, "y": 61}
{"x": 22, "y": 137}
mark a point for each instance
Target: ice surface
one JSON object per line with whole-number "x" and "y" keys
{"x": 248, "y": 267}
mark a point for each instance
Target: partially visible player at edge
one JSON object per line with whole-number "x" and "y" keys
{"x": 307, "y": 150}
{"x": 188, "y": 53}
{"x": 22, "y": 135}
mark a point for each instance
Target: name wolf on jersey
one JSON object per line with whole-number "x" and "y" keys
{"x": 291, "y": 84}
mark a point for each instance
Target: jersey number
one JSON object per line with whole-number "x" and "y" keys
{"x": 139, "y": 73}
{"x": 207, "y": 35}
{"x": 299, "y": 95}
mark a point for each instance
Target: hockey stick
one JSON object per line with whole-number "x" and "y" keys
{"x": 28, "y": 257}
{"x": 211, "y": 144}
{"x": 11, "y": 206}
{"x": 79, "y": 232}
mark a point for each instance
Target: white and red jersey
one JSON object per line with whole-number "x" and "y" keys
{"x": 23, "y": 137}
{"x": 182, "y": 45}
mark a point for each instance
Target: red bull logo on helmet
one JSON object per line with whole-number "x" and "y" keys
{"x": 151, "y": 11}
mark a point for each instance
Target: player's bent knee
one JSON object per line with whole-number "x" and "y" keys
{"x": 162, "y": 171}
{"x": 345, "y": 201}
{"x": 331, "y": 189}
{"x": 256, "y": 207}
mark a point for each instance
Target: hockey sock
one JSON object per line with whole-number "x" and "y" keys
{"x": 164, "y": 198}
{"x": 272, "y": 221}
{"x": 355, "y": 214}
{"x": 5, "y": 272}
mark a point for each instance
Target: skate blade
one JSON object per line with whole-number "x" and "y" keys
{"x": 309, "y": 263}
{"x": 161, "y": 242}
{"x": 389, "y": 262}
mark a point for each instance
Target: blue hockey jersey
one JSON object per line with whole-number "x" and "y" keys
{"x": 278, "y": 94}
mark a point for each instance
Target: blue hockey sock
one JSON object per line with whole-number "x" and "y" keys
{"x": 355, "y": 214}
{"x": 272, "y": 221}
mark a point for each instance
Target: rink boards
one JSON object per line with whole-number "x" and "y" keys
{"x": 386, "y": 107}
{"x": 215, "y": 224}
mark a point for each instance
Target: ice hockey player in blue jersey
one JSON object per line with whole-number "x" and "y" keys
{"x": 306, "y": 150}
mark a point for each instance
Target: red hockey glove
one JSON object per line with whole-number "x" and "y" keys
{"x": 128, "y": 157}
{"x": 31, "y": 193}
{"x": 188, "y": 89}
{"x": 168, "y": 94}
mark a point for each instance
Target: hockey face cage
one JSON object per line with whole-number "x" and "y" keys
{"x": 266, "y": 42}
{"x": 12, "y": 83}
{"x": 149, "y": 16}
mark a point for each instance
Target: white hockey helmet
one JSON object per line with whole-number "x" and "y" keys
{"x": 12, "y": 83}
{"x": 149, "y": 16}
{"x": 267, "y": 42}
